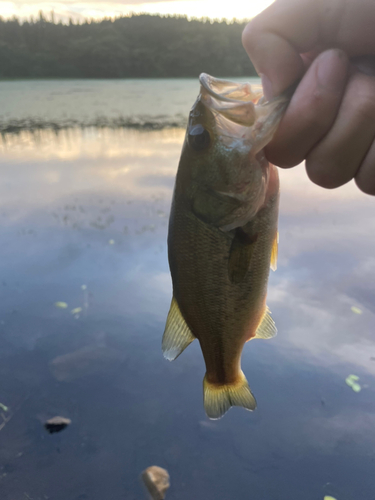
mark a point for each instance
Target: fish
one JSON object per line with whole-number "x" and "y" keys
{"x": 223, "y": 235}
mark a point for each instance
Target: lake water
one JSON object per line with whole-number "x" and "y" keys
{"x": 84, "y": 213}
{"x": 152, "y": 103}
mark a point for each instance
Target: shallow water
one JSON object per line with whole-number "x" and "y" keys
{"x": 90, "y": 207}
{"x": 151, "y": 103}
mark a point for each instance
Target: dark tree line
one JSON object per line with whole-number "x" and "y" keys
{"x": 127, "y": 47}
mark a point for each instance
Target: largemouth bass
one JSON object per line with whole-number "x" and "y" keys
{"x": 223, "y": 236}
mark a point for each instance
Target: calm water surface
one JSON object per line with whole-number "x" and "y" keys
{"x": 63, "y": 103}
{"x": 84, "y": 216}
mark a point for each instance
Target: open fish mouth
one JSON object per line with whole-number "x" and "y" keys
{"x": 225, "y": 90}
{"x": 240, "y": 110}
{"x": 234, "y": 101}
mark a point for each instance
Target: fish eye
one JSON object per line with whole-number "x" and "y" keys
{"x": 199, "y": 138}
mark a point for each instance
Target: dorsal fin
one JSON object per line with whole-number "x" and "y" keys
{"x": 241, "y": 251}
{"x": 177, "y": 335}
{"x": 274, "y": 252}
{"x": 267, "y": 328}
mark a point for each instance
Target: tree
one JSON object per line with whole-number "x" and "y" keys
{"x": 136, "y": 46}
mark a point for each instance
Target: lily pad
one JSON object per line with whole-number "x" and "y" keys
{"x": 351, "y": 381}
{"x": 61, "y": 305}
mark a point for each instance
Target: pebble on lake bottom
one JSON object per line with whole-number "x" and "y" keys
{"x": 156, "y": 481}
{"x": 57, "y": 424}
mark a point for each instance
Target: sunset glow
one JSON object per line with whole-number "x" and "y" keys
{"x": 79, "y": 11}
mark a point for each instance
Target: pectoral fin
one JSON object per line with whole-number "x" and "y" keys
{"x": 240, "y": 255}
{"x": 275, "y": 249}
{"x": 267, "y": 328}
{"x": 177, "y": 335}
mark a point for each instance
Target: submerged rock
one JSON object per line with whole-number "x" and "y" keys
{"x": 156, "y": 481}
{"x": 57, "y": 424}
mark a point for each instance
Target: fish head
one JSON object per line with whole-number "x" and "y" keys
{"x": 228, "y": 175}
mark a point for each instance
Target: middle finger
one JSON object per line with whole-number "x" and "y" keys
{"x": 335, "y": 160}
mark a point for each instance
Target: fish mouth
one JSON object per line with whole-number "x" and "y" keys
{"x": 242, "y": 116}
{"x": 234, "y": 101}
{"x": 227, "y": 91}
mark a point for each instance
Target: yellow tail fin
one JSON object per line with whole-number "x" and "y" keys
{"x": 219, "y": 398}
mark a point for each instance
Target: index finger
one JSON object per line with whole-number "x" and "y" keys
{"x": 276, "y": 38}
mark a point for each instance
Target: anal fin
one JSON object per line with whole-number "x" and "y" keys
{"x": 177, "y": 335}
{"x": 274, "y": 252}
{"x": 267, "y": 328}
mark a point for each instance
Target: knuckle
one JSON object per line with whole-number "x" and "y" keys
{"x": 334, "y": 15}
{"x": 323, "y": 100}
{"x": 363, "y": 88}
{"x": 315, "y": 121}
{"x": 365, "y": 179}
{"x": 366, "y": 187}
{"x": 316, "y": 113}
{"x": 250, "y": 36}
{"x": 281, "y": 156}
{"x": 366, "y": 108}
{"x": 320, "y": 174}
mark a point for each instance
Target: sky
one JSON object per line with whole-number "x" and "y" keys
{"x": 86, "y": 9}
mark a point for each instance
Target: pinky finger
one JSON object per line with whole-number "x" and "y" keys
{"x": 365, "y": 177}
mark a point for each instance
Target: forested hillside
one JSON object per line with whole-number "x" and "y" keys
{"x": 127, "y": 47}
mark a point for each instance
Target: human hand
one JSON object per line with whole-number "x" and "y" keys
{"x": 330, "y": 121}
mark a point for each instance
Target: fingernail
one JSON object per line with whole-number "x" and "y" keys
{"x": 267, "y": 87}
{"x": 332, "y": 69}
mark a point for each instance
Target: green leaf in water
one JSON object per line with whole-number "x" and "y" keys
{"x": 3, "y": 407}
{"x": 351, "y": 381}
{"x": 61, "y": 305}
{"x": 327, "y": 497}
{"x": 77, "y": 310}
{"x": 356, "y": 310}
{"x": 111, "y": 242}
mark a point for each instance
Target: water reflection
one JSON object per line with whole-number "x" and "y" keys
{"x": 91, "y": 208}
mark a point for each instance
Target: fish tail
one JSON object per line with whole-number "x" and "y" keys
{"x": 219, "y": 398}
